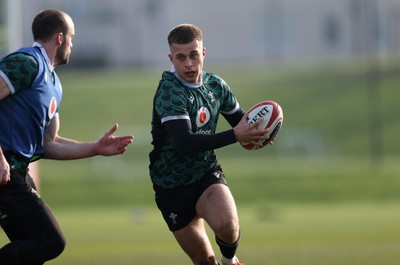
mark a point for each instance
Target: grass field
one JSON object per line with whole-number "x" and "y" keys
{"x": 316, "y": 197}
{"x": 348, "y": 234}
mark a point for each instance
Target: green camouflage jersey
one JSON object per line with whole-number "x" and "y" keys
{"x": 201, "y": 105}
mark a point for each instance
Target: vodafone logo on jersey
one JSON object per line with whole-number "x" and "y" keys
{"x": 52, "y": 107}
{"x": 203, "y": 116}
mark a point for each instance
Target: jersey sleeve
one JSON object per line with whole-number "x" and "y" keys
{"x": 229, "y": 105}
{"x": 170, "y": 102}
{"x": 188, "y": 142}
{"x": 20, "y": 69}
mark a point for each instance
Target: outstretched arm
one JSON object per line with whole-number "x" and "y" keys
{"x": 60, "y": 148}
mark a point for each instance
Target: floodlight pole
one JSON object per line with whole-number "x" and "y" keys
{"x": 373, "y": 87}
{"x": 375, "y": 110}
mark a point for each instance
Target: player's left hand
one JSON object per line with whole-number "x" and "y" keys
{"x": 110, "y": 144}
{"x": 250, "y": 133}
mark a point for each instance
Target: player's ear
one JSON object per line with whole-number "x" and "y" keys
{"x": 204, "y": 51}
{"x": 59, "y": 38}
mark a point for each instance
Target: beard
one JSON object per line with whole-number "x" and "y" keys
{"x": 62, "y": 55}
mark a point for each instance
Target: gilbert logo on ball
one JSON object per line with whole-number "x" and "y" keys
{"x": 272, "y": 114}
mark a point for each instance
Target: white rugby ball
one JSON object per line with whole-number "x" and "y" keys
{"x": 272, "y": 114}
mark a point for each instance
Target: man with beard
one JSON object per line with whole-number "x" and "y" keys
{"x": 30, "y": 94}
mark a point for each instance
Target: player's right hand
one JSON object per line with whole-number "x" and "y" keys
{"x": 4, "y": 171}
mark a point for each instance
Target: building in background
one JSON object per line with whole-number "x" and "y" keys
{"x": 133, "y": 32}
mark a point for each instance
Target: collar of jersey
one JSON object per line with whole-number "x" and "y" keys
{"x": 191, "y": 85}
{"x": 44, "y": 53}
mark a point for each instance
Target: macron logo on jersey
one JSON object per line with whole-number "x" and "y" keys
{"x": 203, "y": 116}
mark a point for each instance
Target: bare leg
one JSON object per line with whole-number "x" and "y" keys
{"x": 194, "y": 241}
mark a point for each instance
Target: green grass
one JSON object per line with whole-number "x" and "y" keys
{"x": 297, "y": 234}
{"x": 317, "y": 196}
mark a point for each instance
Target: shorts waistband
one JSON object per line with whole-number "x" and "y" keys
{"x": 17, "y": 162}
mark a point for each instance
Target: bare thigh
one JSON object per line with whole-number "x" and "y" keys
{"x": 217, "y": 206}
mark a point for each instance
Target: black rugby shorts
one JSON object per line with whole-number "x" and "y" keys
{"x": 178, "y": 205}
